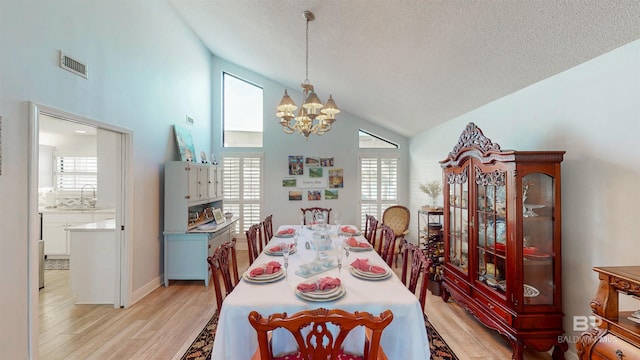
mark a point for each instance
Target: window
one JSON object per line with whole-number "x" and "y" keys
{"x": 242, "y": 186}
{"x": 74, "y": 172}
{"x": 368, "y": 140}
{"x": 242, "y": 113}
{"x": 378, "y": 184}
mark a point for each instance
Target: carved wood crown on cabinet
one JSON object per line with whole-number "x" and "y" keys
{"x": 502, "y": 240}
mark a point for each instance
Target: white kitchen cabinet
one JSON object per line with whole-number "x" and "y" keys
{"x": 55, "y": 224}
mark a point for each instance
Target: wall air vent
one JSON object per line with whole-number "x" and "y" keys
{"x": 73, "y": 65}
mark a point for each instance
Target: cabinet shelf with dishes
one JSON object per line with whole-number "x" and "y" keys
{"x": 502, "y": 240}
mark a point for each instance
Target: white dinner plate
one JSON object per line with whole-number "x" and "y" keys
{"x": 283, "y": 235}
{"x": 360, "y": 249}
{"x": 327, "y": 296}
{"x": 356, "y": 233}
{"x": 279, "y": 253}
{"x": 368, "y": 276}
{"x": 262, "y": 279}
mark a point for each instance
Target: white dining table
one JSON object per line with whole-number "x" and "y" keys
{"x": 404, "y": 339}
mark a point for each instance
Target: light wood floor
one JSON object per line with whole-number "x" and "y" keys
{"x": 163, "y": 324}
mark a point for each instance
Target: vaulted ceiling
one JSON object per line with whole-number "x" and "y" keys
{"x": 409, "y": 65}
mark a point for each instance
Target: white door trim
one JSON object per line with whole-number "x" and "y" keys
{"x": 124, "y": 214}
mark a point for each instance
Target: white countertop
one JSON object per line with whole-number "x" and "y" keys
{"x": 75, "y": 210}
{"x": 106, "y": 225}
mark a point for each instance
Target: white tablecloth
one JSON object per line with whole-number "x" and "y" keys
{"x": 404, "y": 339}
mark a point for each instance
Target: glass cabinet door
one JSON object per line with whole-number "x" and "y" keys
{"x": 538, "y": 238}
{"x": 491, "y": 210}
{"x": 459, "y": 219}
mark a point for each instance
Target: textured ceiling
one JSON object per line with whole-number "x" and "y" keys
{"x": 409, "y": 65}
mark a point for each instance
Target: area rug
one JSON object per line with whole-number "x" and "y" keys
{"x": 202, "y": 346}
{"x": 56, "y": 264}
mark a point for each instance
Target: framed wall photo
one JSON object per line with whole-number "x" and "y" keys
{"x": 217, "y": 215}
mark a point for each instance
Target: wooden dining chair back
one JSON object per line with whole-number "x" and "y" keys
{"x": 416, "y": 267}
{"x": 253, "y": 237}
{"x": 370, "y": 228}
{"x": 224, "y": 265}
{"x": 424, "y": 279}
{"x": 313, "y": 337}
{"x": 308, "y": 213}
{"x": 267, "y": 231}
{"x": 387, "y": 244}
{"x": 397, "y": 217}
{"x": 412, "y": 266}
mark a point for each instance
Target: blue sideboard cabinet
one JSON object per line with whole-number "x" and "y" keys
{"x": 191, "y": 192}
{"x": 185, "y": 254}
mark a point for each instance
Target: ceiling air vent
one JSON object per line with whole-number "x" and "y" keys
{"x": 73, "y": 65}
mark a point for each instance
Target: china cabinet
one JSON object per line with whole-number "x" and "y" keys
{"x": 191, "y": 192}
{"x": 431, "y": 239}
{"x": 502, "y": 240}
{"x": 617, "y": 335}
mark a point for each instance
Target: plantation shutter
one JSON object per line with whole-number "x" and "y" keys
{"x": 74, "y": 172}
{"x": 378, "y": 184}
{"x": 243, "y": 188}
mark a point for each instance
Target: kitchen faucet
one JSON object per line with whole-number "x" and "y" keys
{"x": 92, "y": 202}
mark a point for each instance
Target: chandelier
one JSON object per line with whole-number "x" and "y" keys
{"x": 313, "y": 117}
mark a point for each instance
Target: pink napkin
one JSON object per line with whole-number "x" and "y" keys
{"x": 328, "y": 283}
{"x": 278, "y": 248}
{"x": 348, "y": 229}
{"x": 325, "y": 283}
{"x": 353, "y": 242}
{"x": 306, "y": 287}
{"x": 286, "y": 231}
{"x": 268, "y": 268}
{"x": 363, "y": 265}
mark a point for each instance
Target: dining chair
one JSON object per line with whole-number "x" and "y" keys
{"x": 267, "y": 231}
{"x": 318, "y": 342}
{"x": 370, "y": 227}
{"x": 224, "y": 263}
{"x": 253, "y": 236}
{"x": 307, "y": 211}
{"x": 387, "y": 244}
{"x": 397, "y": 217}
{"x": 419, "y": 271}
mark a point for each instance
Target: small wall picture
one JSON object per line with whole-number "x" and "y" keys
{"x": 289, "y": 182}
{"x": 315, "y": 172}
{"x": 295, "y": 195}
{"x": 313, "y": 195}
{"x": 326, "y": 162}
{"x": 296, "y": 166}
{"x": 312, "y": 161}
{"x": 330, "y": 194}
{"x": 218, "y": 217}
{"x": 185, "y": 143}
{"x": 336, "y": 178}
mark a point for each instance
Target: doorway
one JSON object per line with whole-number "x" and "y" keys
{"x": 118, "y": 143}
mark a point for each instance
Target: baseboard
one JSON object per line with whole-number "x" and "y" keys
{"x": 147, "y": 289}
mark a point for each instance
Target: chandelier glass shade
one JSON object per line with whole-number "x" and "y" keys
{"x": 313, "y": 117}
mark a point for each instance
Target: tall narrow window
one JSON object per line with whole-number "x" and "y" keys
{"x": 74, "y": 172}
{"x": 243, "y": 188}
{"x": 378, "y": 184}
{"x": 242, "y": 113}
